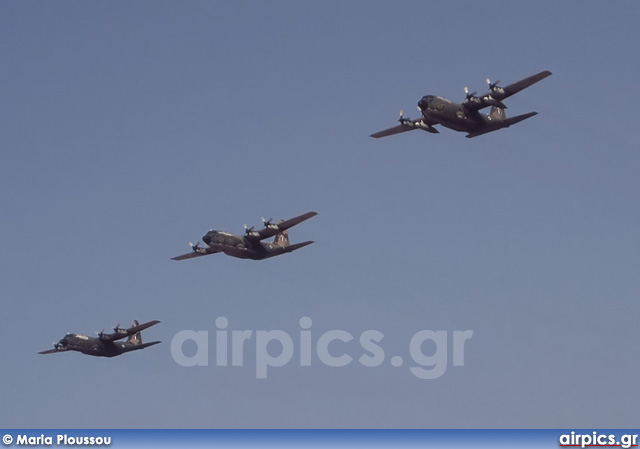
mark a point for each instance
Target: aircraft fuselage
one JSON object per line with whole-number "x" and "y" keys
{"x": 240, "y": 246}
{"x": 91, "y": 345}
{"x": 438, "y": 110}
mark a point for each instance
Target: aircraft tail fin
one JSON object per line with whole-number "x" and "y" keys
{"x": 282, "y": 239}
{"x": 497, "y": 113}
{"x": 135, "y": 339}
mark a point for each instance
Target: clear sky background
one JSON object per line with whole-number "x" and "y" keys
{"x": 128, "y": 129}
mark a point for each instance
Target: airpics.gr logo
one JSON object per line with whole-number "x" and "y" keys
{"x": 425, "y": 363}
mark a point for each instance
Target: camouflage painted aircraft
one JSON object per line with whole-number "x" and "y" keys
{"x": 105, "y": 345}
{"x": 250, "y": 246}
{"x": 465, "y": 116}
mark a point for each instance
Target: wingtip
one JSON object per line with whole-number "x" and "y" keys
{"x": 545, "y": 73}
{"x": 48, "y": 351}
{"x": 153, "y": 322}
{"x": 148, "y": 324}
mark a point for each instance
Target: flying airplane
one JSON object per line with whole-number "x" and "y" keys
{"x": 105, "y": 345}
{"x": 250, "y": 246}
{"x": 465, "y": 116}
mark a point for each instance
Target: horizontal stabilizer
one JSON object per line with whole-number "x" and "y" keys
{"x": 518, "y": 118}
{"x": 503, "y": 124}
{"x": 298, "y": 246}
{"x": 141, "y": 345}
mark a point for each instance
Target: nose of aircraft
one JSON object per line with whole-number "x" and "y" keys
{"x": 423, "y": 103}
{"x": 207, "y": 238}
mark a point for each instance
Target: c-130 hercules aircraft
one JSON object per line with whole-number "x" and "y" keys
{"x": 250, "y": 246}
{"x": 105, "y": 345}
{"x": 465, "y": 116}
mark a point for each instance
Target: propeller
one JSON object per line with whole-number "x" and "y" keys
{"x": 493, "y": 86}
{"x": 402, "y": 119}
{"x": 248, "y": 230}
{"x": 195, "y": 248}
{"x": 486, "y": 99}
{"x": 101, "y": 333}
{"x": 117, "y": 328}
{"x": 469, "y": 95}
{"x": 268, "y": 223}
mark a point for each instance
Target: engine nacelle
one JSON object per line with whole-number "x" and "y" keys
{"x": 489, "y": 100}
{"x": 425, "y": 127}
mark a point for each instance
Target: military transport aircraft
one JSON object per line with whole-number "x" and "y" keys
{"x": 250, "y": 246}
{"x": 465, "y": 116}
{"x": 104, "y": 345}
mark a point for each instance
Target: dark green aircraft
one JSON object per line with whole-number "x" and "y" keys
{"x": 465, "y": 116}
{"x": 105, "y": 345}
{"x": 250, "y": 246}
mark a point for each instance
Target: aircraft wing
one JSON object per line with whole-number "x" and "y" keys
{"x": 124, "y": 333}
{"x": 52, "y": 351}
{"x": 511, "y": 89}
{"x": 496, "y": 95}
{"x": 277, "y": 228}
{"x": 196, "y": 253}
{"x": 407, "y": 125}
{"x": 395, "y": 130}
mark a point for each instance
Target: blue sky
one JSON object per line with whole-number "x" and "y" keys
{"x": 130, "y": 129}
